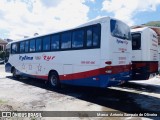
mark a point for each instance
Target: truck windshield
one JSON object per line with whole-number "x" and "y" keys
{"x": 120, "y": 30}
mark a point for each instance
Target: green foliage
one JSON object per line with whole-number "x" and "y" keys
{"x": 1, "y": 101}
{"x": 2, "y": 54}
{"x": 153, "y": 23}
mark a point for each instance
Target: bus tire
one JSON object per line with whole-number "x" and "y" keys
{"x": 53, "y": 80}
{"x": 14, "y": 74}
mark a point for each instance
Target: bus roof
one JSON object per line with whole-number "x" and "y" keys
{"x": 143, "y": 29}
{"x": 94, "y": 21}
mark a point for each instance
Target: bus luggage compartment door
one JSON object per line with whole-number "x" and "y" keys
{"x": 67, "y": 74}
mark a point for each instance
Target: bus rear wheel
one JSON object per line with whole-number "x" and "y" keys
{"x": 54, "y": 80}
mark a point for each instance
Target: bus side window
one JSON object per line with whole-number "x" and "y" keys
{"x": 55, "y": 42}
{"x": 38, "y": 44}
{"x": 89, "y": 37}
{"x": 32, "y": 45}
{"x": 96, "y": 35}
{"x": 136, "y": 41}
{"x": 46, "y": 43}
{"x": 14, "y": 48}
{"x": 22, "y": 44}
{"x": 77, "y": 39}
{"x": 66, "y": 40}
{"x": 26, "y": 46}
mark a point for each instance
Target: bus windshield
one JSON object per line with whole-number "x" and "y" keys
{"x": 136, "y": 41}
{"x": 120, "y": 30}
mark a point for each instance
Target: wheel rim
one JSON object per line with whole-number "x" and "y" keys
{"x": 53, "y": 80}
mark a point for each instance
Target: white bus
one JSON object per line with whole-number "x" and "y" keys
{"x": 144, "y": 53}
{"x": 97, "y": 54}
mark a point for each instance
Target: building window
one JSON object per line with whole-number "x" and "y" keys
{"x": 1, "y": 48}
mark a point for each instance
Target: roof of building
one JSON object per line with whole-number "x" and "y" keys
{"x": 3, "y": 41}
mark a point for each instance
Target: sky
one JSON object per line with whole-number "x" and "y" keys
{"x": 19, "y": 18}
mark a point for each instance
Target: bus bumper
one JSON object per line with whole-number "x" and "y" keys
{"x": 115, "y": 79}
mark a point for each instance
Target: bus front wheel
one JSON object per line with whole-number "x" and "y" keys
{"x": 54, "y": 80}
{"x": 14, "y": 74}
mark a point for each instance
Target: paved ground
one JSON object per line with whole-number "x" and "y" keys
{"x": 33, "y": 94}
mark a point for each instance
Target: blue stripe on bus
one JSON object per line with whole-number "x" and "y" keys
{"x": 101, "y": 80}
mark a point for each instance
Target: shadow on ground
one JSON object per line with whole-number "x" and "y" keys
{"x": 141, "y": 87}
{"x": 111, "y": 98}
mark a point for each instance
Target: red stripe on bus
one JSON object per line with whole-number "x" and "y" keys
{"x": 91, "y": 73}
{"x": 101, "y": 71}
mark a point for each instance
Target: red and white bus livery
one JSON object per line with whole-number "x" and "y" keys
{"x": 144, "y": 53}
{"x": 97, "y": 54}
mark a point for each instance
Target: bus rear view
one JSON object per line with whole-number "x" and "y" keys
{"x": 144, "y": 53}
{"x": 120, "y": 52}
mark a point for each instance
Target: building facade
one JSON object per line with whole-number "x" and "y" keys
{"x": 3, "y": 44}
